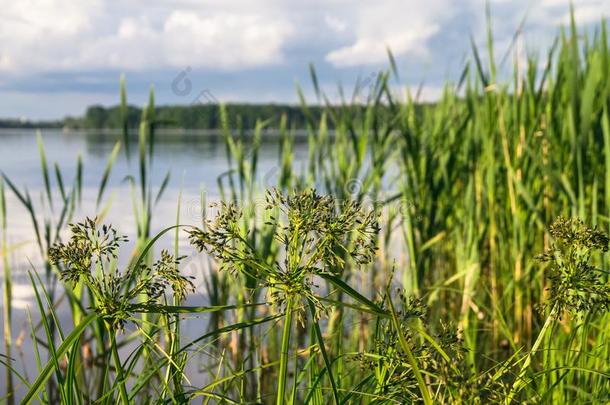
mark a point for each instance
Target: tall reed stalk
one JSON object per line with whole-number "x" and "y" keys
{"x": 7, "y": 295}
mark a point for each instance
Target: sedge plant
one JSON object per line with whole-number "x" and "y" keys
{"x": 316, "y": 233}
{"x": 89, "y": 257}
{"x": 576, "y": 286}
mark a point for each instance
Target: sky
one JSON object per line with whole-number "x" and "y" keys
{"x": 59, "y": 56}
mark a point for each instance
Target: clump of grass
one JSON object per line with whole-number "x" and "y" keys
{"x": 318, "y": 235}
{"x": 577, "y": 287}
{"x": 388, "y": 361}
{"x": 415, "y": 359}
{"x": 90, "y": 257}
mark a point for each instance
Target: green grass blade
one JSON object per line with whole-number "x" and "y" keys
{"x": 106, "y": 175}
{"x": 44, "y": 167}
{"x": 59, "y": 352}
{"x": 322, "y": 347}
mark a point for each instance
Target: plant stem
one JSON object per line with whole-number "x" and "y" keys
{"x": 281, "y": 389}
{"x": 423, "y": 388}
{"x": 117, "y": 365}
{"x": 7, "y": 290}
{"x": 520, "y": 382}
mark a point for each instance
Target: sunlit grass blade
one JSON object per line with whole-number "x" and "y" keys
{"x": 106, "y": 174}
{"x": 45, "y": 168}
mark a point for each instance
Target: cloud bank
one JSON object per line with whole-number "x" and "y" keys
{"x": 51, "y": 35}
{"x": 256, "y": 49}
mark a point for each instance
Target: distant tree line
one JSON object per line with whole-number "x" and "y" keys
{"x": 203, "y": 116}
{"x": 25, "y": 124}
{"x": 206, "y": 116}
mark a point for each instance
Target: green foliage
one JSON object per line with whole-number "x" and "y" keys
{"x": 197, "y": 116}
{"x": 317, "y": 235}
{"x": 576, "y": 285}
{"x": 88, "y": 258}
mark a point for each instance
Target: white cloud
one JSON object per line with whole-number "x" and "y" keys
{"x": 368, "y": 50}
{"x": 334, "y": 23}
{"x": 223, "y": 40}
{"x": 35, "y": 33}
{"x": 403, "y": 26}
{"x": 588, "y": 11}
{"x": 408, "y": 26}
{"x": 52, "y": 35}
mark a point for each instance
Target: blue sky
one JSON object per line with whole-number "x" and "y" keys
{"x": 59, "y": 56}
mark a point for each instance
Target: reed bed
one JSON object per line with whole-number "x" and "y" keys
{"x": 445, "y": 253}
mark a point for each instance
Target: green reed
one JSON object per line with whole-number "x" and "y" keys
{"x": 465, "y": 193}
{"x": 7, "y": 293}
